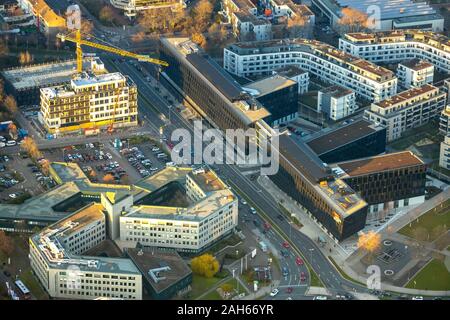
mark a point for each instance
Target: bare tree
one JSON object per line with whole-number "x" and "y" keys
{"x": 4, "y": 50}
{"x": 6, "y": 243}
{"x": 202, "y": 15}
{"x": 352, "y": 20}
{"x": 11, "y": 105}
{"x": 199, "y": 39}
{"x": 299, "y": 26}
{"x": 25, "y": 58}
{"x": 106, "y": 14}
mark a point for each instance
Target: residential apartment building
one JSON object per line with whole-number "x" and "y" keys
{"x": 407, "y": 110}
{"x": 389, "y": 14}
{"x": 45, "y": 18}
{"x": 336, "y": 102}
{"x": 444, "y": 121}
{"x": 386, "y": 181}
{"x": 189, "y": 212}
{"x": 298, "y": 75}
{"x": 399, "y": 45}
{"x": 56, "y": 260}
{"x": 131, "y": 8}
{"x": 90, "y": 101}
{"x": 415, "y": 73}
{"x": 444, "y": 155}
{"x": 370, "y": 82}
{"x": 247, "y": 25}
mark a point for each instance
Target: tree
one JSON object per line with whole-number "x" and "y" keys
{"x": 199, "y": 39}
{"x": 369, "y": 241}
{"x": 227, "y": 288}
{"x": 31, "y": 148}
{"x": 108, "y": 178}
{"x": 6, "y": 243}
{"x": 205, "y": 265}
{"x": 45, "y": 166}
{"x": 106, "y": 14}
{"x": 12, "y": 128}
{"x": 217, "y": 34}
{"x": 86, "y": 26}
{"x": 11, "y": 105}
{"x": 202, "y": 15}
{"x": 25, "y": 58}
{"x": 299, "y": 26}
{"x": 352, "y": 20}
{"x": 4, "y": 50}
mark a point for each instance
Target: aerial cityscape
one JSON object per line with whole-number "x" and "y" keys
{"x": 228, "y": 150}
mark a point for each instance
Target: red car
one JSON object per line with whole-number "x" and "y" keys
{"x": 286, "y": 244}
{"x": 266, "y": 225}
{"x": 302, "y": 276}
{"x": 299, "y": 261}
{"x": 289, "y": 290}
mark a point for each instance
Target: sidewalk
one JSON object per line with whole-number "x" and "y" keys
{"x": 312, "y": 229}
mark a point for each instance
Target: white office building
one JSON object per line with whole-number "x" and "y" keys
{"x": 331, "y": 65}
{"x": 399, "y": 45}
{"x": 131, "y": 8}
{"x": 298, "y": 75}
{"x": 56, "y": 260}
{"x": 197, "y": 209}
{"x": 415, "y": 73}
{"x": 336, "y": 102}
{"x": 444, "y": 121}
{"x": 407, "y": 110}
{"x": 90, "y": 101}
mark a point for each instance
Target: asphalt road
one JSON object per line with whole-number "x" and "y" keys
{"x": 301, "y": 243}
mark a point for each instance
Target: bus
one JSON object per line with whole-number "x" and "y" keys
{"x": 23, "y": 289}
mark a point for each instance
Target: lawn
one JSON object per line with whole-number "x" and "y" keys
{"x": 201, "y": 284}
{"x": 315, "y": 280}
{"x": 33, "y": 285}
{"x": 343, "y": 274}
{"x": 434, "y": 276}
{"x": 439, "y": 216}
{"x": 214, "y": 295}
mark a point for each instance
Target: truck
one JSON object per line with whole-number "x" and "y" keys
{"x": 263, "y": 246}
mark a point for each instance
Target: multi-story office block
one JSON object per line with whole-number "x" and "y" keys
{"x": 279, "y": 95}
{"x": 387, "y": 181}
{"x": 90, "y": 101}
{"x": 331, "y": 65}
{"x": 336, "y": 102}
{"x": 56, "y": 260}
{"x": 407, "y": 110}
{"x": 131, "y": 8}
{"x": 399, "y": 45}
{"x": 356, "y": 140}
{"x": 415, "y": 73}
{"x": 190, "y": 210}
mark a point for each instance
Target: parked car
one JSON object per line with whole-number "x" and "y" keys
{"x": 274, "y": 292}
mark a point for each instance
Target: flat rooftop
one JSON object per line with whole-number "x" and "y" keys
{"x": 270, "y": 84}
{"x": 378, "y": 164}
{"x": 290, "y": 71}
{"x": 300, "y": 156}
{"x": 334, "y": 139}
{"x": 417, "y": 64}
{"x": 425, "y": 90}
{"x": 80, "y": 219}
{"x": 389, "y": 9}
{"x": 208, "y": 181}
{"x": 151, "y": 258}
{"x": 44, "y": 75}
{"x": 336, "y": 91}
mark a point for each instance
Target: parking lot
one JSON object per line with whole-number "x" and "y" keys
{"x": 20, "y": 178}
{"x": 103, "y": 162}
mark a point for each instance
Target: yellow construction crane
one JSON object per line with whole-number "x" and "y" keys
{"x": 74, "y": 23}
{"x": 79, "y": 42}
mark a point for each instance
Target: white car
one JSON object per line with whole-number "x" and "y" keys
{"x": 155, "y": 149}
{"x": 2, "y": 144}
{"x": 13, "y": 195}
{"x": 253, "y": 210}
{"x": 417, "y": 298}
{"x": 243, "y": 202}
{"x": 320, "y": 298}
{"x": 11, "y": 143}
{"x": 171, "y": 164}
{"x": 274, "y": 292}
